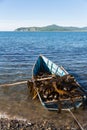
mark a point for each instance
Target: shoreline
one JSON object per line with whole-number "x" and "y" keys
{"x": 62, "y": 121}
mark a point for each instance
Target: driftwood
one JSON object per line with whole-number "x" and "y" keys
{"x": 12, "y": 84}
{"x": 42, "y": 79}
{"x": 61, "y": 92}
{"x": 52, "y": 87}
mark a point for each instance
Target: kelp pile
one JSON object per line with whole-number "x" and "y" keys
{"x": 55, "y": 88}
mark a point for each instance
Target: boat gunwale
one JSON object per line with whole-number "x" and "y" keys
{"x": 42, "y": 102}
{"x": 61, "y": 67}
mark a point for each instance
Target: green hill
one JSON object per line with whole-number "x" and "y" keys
{"x": 52, "y": 28}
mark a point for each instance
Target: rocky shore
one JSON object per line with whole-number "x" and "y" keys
{"x": 7, "y": 124}
{"x": 64, "y": 122}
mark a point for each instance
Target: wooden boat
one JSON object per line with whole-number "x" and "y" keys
{"x": 44, "y": 65}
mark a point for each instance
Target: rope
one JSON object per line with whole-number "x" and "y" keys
{"x": 12, "y": 84}
{"x": 81, "y": 128}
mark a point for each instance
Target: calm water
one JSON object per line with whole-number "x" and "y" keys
{"x": 18, "y": 53}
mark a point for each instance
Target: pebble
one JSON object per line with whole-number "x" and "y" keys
{"x": 8, "y": 124}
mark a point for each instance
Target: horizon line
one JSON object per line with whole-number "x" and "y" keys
{"x": 11, "y": 30}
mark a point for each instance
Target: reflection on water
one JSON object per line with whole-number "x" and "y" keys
{"x": 18, "y": 53}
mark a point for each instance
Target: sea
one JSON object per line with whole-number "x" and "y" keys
{"x": 18, "y": 53}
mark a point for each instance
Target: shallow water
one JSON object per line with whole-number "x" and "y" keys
{"x": 18, "y": 53}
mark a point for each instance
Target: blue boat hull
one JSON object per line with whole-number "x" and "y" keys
{"x": 45, "y": 65}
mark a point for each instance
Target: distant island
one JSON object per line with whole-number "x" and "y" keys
{"x": 52, "y": 28}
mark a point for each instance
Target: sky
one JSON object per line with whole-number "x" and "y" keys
{"x": 27, "y": 13}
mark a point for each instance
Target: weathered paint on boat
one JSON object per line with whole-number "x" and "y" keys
{"x": 45, "y": 65}
{"x": 48, "y": 66}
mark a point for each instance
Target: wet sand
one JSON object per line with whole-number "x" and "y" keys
{"x": 59, "y": 121}
{"x": 19, "y": 112}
